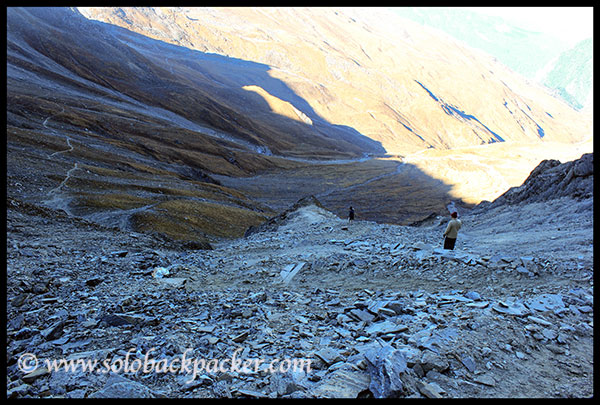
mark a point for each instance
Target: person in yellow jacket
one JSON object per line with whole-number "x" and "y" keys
{"x": 451, "y": 231}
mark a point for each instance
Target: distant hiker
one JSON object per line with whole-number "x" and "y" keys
{"x": 351, "y": 214}
{"x": 451, "y": 231}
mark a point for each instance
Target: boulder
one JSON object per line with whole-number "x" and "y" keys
{"x": 385, "y": 365}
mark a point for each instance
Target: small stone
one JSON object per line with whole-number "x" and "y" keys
{"x": 539, "y": 321}
{"x": 119, "y": 253}
{"x": 205, "y": 329}
{"x": 385, "y": 366}
{"x": 34, "y": 375}
{"x": 241, "y": 337}
{"x": 469, "y": 363}
{"x": 485, "y": 379}
{"x": 19, "y": 300}
{"x": 361, "y": 315}
{"x": 345, "y": 382}
{"x": 549, "y": 334}
{"x": 329, "y": 355}
{"x": 251, "y": 393}
{"x": 546, "y": 302}
{"x": 121, "y": 387}
{"x": 212, "y": 339}
{"x": 113, "y": 320}
{"x": 586, "y": 309}
{"x": 562, "y": 338}
{"x": 473, "y": 295}
{"x": 173, "y": 282}
{"x": 302, "y": 319}
{"x": 386, "y": 311}
{"x": 54, "y": 331}
{"x": 478, "y": 305}
{"x": 433, "y": 361}
{"x": 516, "y": 309}
{"x": 384, "y": 327}
{"x": 93, "y": 282}
{"x": 90, "y": 323}
{"x": 430, "y": 390}
{"x": 18, "y": 391}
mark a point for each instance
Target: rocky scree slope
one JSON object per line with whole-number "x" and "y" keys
{"x": 380, "y": 310}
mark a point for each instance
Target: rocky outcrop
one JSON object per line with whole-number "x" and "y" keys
{"x": 552, "y": 179}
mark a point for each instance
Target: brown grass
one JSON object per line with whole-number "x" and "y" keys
{"x": 192, "y": 220}
{"x": 110, "y": 201}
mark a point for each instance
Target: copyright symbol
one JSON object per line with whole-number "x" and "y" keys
{"x": 27, "y": 363}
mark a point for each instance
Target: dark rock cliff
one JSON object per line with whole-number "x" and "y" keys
{"x": 552, "y": 179}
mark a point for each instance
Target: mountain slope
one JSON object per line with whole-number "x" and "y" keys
{"x": 527, "y": 52}
{"x": 198, "y": 123}
{"x": 129, "y": 68}
{"x": 407, "y": 87}
{"x": 508, "y": 313}
{"x": 571, "y": 75}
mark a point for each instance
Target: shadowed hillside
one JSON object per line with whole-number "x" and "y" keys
{"x": 168, "y": 203}
{"x": 390, "y": 79}
{"x": 203, "y": 136}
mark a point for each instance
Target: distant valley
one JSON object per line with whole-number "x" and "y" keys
{"x": 197, "y": 123}
{"x": 178, "y": 182}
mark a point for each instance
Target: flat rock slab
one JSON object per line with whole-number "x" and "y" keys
{"x": 329, "y": 355}
{"x": 174, "y": 282}
{"x": 290, "y": 271}
{"x": 381, "y": 328}
{"x": 345, "y": 382}
{"x": 546, "y": 302}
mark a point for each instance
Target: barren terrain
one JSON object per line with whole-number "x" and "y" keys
{"x": 155, "y": 114}
{"x": 507, "y": 314}
{"x": 137, "y": 163}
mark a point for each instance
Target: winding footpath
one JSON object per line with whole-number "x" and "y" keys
{"x": 55, "y": 198}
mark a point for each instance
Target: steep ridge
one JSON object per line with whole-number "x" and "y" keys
{"x": 551, "y": 180}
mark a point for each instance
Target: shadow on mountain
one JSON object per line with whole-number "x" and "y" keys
{"x": 201, "y": 87}
{"x": 380, "y": 190}
{"x": 80, "y": 102}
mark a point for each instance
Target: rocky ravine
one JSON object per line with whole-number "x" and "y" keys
{"x": 379, "y": 310}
